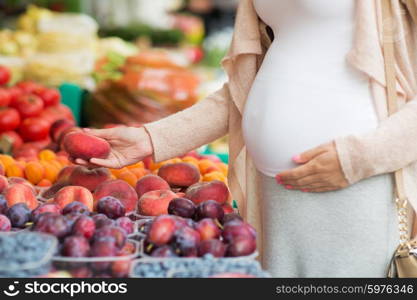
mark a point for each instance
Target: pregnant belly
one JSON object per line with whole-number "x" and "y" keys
{"x": 286, "y": 116}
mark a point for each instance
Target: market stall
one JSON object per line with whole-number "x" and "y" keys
{"x": 60, "y": 72}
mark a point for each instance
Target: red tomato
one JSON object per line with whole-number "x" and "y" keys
{"x": 30, "y": 87}
{"x": 15, "y": 138}
{"x": 5, "y": 75}
{"x": 34, "y": 129}
{"x": 15, "y": 94}
{"x": 9, "y": 119}
{"x": 29, "y": 106}
{"x": 50, "y": 97}
{"x": 4, "y": 97}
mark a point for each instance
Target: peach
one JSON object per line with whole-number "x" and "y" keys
{"x": 70, "y": 194}
{"x": 155, "y": 203}
{"x": 179, "y": 174}
{"x": 228, "y": 209}
{"x": 65, "y": 173}
{"x": 58, "y": 127}
{"x": 20, "y": 180}
{"x": 51, "y": 192}
{"x": 118, "y": 189}
{"x": 20, "y": 193}
{"x": 3, "y": 183}
{"x": 150, "y": 183}
{"x": 88, "y": 178}
{"x": 85, "y": 146}
{"x": 203, "y": 191}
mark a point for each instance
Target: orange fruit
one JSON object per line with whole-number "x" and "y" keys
{"x": 34, "y": 172}
{"x": 129, "y": 177}
{"x": 47, "y": 155}
{"x": 217, "y": 175}
{"x": 139, "y": 172}
{"x": 7, "y": 160}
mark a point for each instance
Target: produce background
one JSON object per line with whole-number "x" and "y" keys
{"x": 69, "y": 64}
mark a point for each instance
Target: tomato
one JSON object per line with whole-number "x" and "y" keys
{"x": 50, "y": 96}
{"x": 4, "y": 97}
{"x": 34, "y": 129}
{"x": 5, "y": 75}
{"x": 15, "y": 138}
{"x": 29, "y": 105}
{"x": 15, "y": 94}
{"x": 30, "y": 87}
{"x": 9, "y": 119}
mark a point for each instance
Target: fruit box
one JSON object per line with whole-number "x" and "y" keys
{"x": 84, "y": 267}
{"x": 207, "y": 266}
{"x": 38, "y": 267}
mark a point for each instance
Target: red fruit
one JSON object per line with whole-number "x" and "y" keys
{"x": 118, "y": 234}
{"x": 29, "y": 87}
{"x": 50, "y": 96}
{"x": 241, "y": 246}
{"x": 9, "y": 119}
{"x": 150, "y": 183}
{"x": 120, "y": 268}
{"x": 5, "y": 97}
{"x": 4, "y": 183}
{"x": 82, "y": 272}
{"x": 52, "y": 224}
{"x": 13, "y": 138}
{"x": 101, "y": 221}
{"x": 84, "y": 226}
{"x": 103, "y": 247}
{"x": 88, "y": 178}
{"x": 3, "y": 205}
{"x": 75, "y": 207}
{"x": 210, "y": 209}
{"x": 58, "y": 127}
{"x": 29, "y": 106}
{"x": 5, "y": 224}
{"x": 182, "y": 207}
{"x": 118, "y": 189}
{"x": 213, "y": 247}
{"x": 187, "y": 240}
{"x": 203, "y": 191}
{"x": 34, "y": 129}
{"x": 235, "y": 229}
{"x": 164, "y": 252}
{"x": 111, "y": 207}
{"x": 85, "y": 146}
{"x": 15, "y": 94}
{"x": 44, "y": 208}
{"x": 126, "y": 224}
{"x": 5, "y": 75}
{"x": 179, "y": 174}
{"x": 20, "y": 193}
{"x": 208, "y": 229}
{"x": 155, "y": 203}
{"x": 162, "y": 230}
{"x": 228, "y": 209}
{"x": 231, "y": 217}
{"x": 75, "y": 246}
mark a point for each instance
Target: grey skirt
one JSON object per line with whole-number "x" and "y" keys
{"x": 346, "y": 233}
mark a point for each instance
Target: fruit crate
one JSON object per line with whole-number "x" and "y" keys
{"x": 207, "y": 266}
{"x": 113, "y": 266}
{"x": 40, "y": 266}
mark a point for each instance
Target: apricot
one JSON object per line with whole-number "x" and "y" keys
{"x": 88, "y": 178}
{"x": 203, "y": 191}
{"x": 179, "y": 174}
{"x": 7, "y": 160}
{"x": 15, "y": 170}
{"x": 150, "y": 183}
{"x": 118, "y": 189}
{"x": 47, "y": 155}
{"x": 44, "y": 183}
{"x": 20, "y": 193}
{"x": 85, "y": 146}
{"x": 51, "y": 170}
{"x": 34, "y": 172}
{"x": 216, "y": 175}
{"x": 70, "y": 194}
{"x": 155, "y": 203}
{"x": 139, "y": 173}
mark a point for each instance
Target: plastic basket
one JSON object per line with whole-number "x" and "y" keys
{"x": 32, "y": 269}
{"x": 98, "y": 266}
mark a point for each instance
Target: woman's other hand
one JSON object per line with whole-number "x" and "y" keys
{"x": 319, "y": 171}
{"x": 128, "y": 146}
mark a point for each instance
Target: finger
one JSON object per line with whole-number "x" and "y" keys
{"x": 296, "y": 173}
{"x": 107, "y": 163}
{"x": 80, "y": 161}
{"x": 101, "y": 133}
{"x": 309, "y": 154}
{"x": 323, "y": 190}
{"x": 304, "y": 181}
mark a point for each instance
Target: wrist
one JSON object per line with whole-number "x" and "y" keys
{"x": 145, "y": 141}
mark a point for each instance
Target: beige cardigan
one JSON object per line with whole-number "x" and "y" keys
{"x": 393, "y": 145}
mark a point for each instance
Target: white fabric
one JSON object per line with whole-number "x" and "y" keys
{"x": 305, "y": 93}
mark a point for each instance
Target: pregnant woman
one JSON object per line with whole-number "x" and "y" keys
{"x": 305, "y": 109}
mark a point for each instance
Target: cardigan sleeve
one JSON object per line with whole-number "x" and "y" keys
{"x": 191, "y": 128}
{"x": 388, "y": 148}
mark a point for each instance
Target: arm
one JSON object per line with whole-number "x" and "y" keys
{"x": 388, "y": 148}
{"x": 189, "y": 129}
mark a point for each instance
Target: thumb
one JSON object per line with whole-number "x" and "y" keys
{"x": 308, "y": 155}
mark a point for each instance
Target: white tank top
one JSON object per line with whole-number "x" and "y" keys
{"x": 305, "y": 93}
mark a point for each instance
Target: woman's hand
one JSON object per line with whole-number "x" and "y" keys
{"x": 320, "y": 171}
{"x": 128, "y": 146}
